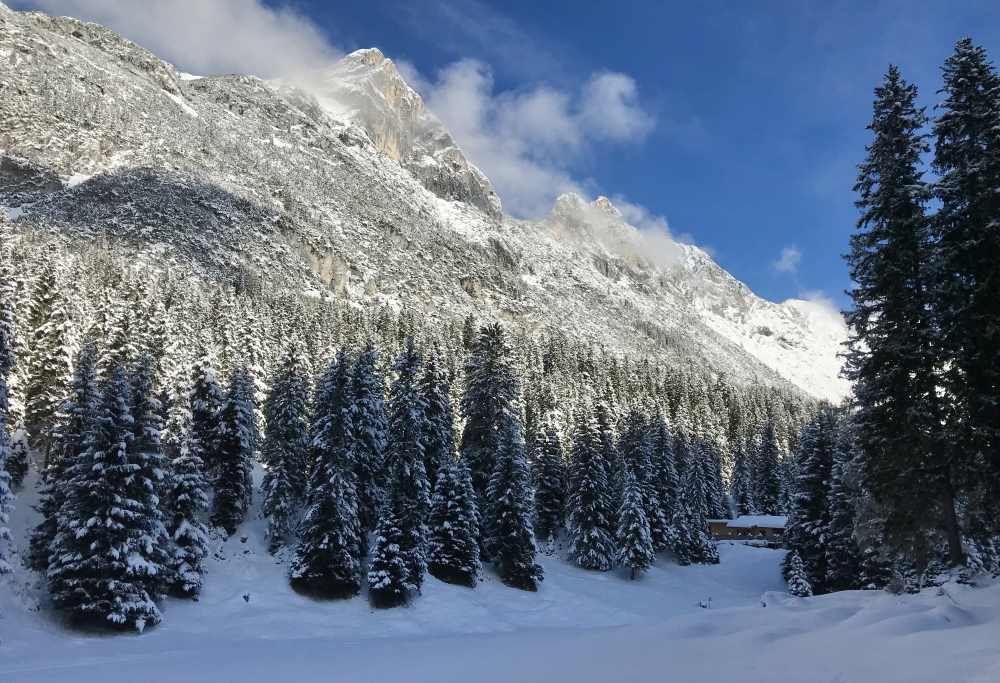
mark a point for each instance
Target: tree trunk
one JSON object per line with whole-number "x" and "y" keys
{"x": 955, "y": 554}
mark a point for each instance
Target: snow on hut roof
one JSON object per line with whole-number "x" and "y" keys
{"x": 767, "y": 521}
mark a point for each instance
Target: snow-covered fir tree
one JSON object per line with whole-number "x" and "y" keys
{"x": 439, "y": 435}
{"x": 49, "y": 357}
{"x": 840, "y": 546}
{"x": 233, "y": 487}
{"x": 207, "y": 401}
{"x": 511, "y": 539}
{"x": 665, "y": 481}
{"x": 285, "y": 450}
{"x": 369, "y": 432}
{"x": 405, "y": 457}
{"x": 550, "y": 488}
{"x": 331, "y": 547}
{"x": 591, "y": 524}
{"x": 795, "y": 576}
{"x": 388, "y": 573}
{"x": 637, "y": 451}
{"x": 693, "y": 543}
{"x": 492, "y": 390}
{"x": 767, "y": 478}
{"x": 635, "y": 542}
{"x": 6, "y": 493}
{"x": 453, "y": 543}
{"x": 104, "y": 558}
{"x": 188, "y": 502}
{"x": 741, "y": 487}
{"x": 146, "y": 484}
{"x": 808, "y": 528}
{"x": 75, "y": 421}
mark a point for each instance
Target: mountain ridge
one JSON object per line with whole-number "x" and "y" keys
{"x": 101, "y": 139}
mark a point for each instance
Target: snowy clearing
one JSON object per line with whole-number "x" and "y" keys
{"x": 580, "y": 626}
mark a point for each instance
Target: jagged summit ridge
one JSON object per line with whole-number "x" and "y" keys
{"x": 365, "y": 87}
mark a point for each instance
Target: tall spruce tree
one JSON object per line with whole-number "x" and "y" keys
{"x": 808, "y": 529}
{"x": 492, "y": 390}
{"x": 369, "y": 432}
{"x": 767, "y": 479}
{"x": 405, "y": 456}
{"x": 665, "y": 481}
{"x": 964, "y": 284}
{"x": 841, "y": 548}
{"x": 285, "y": 450}
{"x": 233, "y": 487}
{"x": 635, "y": 542}
{"x": 453, "y": 544}
{"x": 76, "y": 419}
{"x": 331, "y": 548}
{"x": 591, "y": 518}
{"x": 49, "y": 359}
{"x": 550, "y": 490}
{"x": 512, "y": 543}
{"x": 102, "y": 560}
{"x": 146, "y": 485}
{"x": 891, "y": 348}
{"x": 188, "y": 502}
{"x": 207, "y": 401}
{"x": 637, "y": 451}
{"x": 439, "y": 436}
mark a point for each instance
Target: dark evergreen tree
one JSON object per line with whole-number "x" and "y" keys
{"x": 768, "y": 475}
{"x": 76, "y": 419}
{"x": 439, "y": 436}
{"x": 965, "y": 280}
{"x": 550, "y": 491}
{"x": 693, "y": 543}
{"x": 591, "y": 524}
{"x": 369, "y": 431}
{"x": 637, "y": 451}
{"x": 840, "y": 546}
{"x": 146, "y": 484}
{"x": 188, "y": 502}
{"x": 104, "y": 556}
{"x": 742, "y": 482}
{"x": 328, "y": 557}
{"x": 635, "y": 542}
{"x": 405, "y": 455}
{"x": 453, "y": 545}
{"x": 665, "y": 482}
{"x": 49, "y": 359}
{"x": 511, "y": 537}
{"x": 491, "y": 393}
{"x": 233, "y": 487}
{"x": 891, "y": 357}
{"x": 207, "y": 402}
{"x": 808, "y": 528}
{"x": 286, "y": 445}
{"x": 327, "y": 560}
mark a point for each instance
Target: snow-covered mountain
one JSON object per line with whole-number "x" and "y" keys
{"x": 351, "y": 187}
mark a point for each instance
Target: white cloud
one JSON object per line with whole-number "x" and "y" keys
{"x": 610, "y": 108}
{"x": 789, "y": 260}
{"x": 528, "y": 141}
{"x": 210, "y": 36}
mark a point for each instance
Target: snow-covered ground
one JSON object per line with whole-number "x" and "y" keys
{"x": 727, "y": 622}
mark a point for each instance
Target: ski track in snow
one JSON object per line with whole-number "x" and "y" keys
{"x": 581, "y": 626}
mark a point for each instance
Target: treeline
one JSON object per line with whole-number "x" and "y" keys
{"x": 921, "y": 444}
{"x": 386, "y": 448}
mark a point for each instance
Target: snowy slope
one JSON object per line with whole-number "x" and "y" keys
{"x": 730, "y": 621}
{"x": 355, "y": 190}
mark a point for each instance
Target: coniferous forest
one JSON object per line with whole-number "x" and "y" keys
{"x": 153, "y": 409}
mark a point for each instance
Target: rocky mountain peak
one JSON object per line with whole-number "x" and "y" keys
{"x": 366, "y": 88}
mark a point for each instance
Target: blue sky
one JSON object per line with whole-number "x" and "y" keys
{"x": 741, "y": 123}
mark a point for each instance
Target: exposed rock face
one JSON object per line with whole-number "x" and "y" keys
{"x": 366, "y": 87}
{"x": 355, "y": 191}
